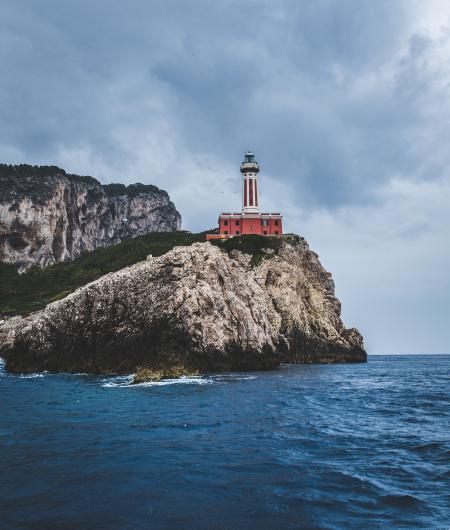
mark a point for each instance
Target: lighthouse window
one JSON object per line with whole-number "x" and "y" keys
{"x": 265, "y": 222}
{"x": 265, "y": 232}
{"x": 237, "y": 232}
{"x": 225, "y": 223}
{"x": 226, "y": 232}
{"x": 237, "y": 222}
{"x": 276, "y": 232}
{"x": 276, "y": 223}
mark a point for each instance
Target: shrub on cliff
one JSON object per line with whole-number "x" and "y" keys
{"x": 33, "y": 290}
{"x": 132, "y": 190}
{"x": 252, "y": 244}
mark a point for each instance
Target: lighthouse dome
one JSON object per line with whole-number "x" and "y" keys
{"x": 249, "y": 164}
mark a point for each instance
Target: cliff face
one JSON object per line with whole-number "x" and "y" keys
{"x": 198, "y": 307}
{"x": 48, "y": 216}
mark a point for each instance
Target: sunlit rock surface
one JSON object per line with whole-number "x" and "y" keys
{"x": 200, "y": 308}
{"x": 47, "y": 216}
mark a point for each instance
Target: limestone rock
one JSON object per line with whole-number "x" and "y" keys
{"x": 47, "y": 216}
{"x": 197, "y": 307}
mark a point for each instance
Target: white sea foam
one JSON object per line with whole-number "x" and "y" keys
{"x": 22, "y": 376}
{"x": 115, "y": 381}
{"x": 223, "y": 378}
{"x": 367, "y": 383}
{"x": 184, "y": 380}
{"x": 126, "y": 381}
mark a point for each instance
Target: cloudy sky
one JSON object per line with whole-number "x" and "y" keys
{"x": 346, "y": 104}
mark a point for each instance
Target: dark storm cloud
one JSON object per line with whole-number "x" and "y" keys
{"x": 271, "y": 74}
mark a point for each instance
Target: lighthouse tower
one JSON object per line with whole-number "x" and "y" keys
{"x": 250, "y": 170}
{"x": 250, "y": 220}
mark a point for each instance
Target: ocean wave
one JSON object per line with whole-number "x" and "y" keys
{"x": 117, "y": 381}
{"x": 401, "y": 501}
{"x": 33, "y": 375}
{"x": 431, "y": 446}
{"x": 127, "y": 381}
{"x": 232, "y": 377}
{"x": 367, "y": 383}
{"x": 184, "y": 380}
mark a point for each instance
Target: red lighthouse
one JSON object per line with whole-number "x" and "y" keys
{"x": 251, "y": 220}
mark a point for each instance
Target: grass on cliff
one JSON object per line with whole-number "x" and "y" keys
{"x": 24, "y": 293}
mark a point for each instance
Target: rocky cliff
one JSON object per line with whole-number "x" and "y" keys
{"x": 47, "y": 215}
{"x": 202, "y": 308}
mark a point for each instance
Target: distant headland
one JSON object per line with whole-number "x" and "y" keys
{"x": 49, "y": 216}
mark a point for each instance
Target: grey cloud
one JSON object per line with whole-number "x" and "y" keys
{"x": 277, "y": 75}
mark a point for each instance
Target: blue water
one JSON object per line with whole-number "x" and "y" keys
{"x": 334, "y": 446}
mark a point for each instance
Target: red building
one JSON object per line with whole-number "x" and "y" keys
{"x": 251, "y": 220}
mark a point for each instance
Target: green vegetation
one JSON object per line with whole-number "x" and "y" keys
{"x": 26, "y": 170}
{"x": 24, "y": 293}
{"x": 83, "y": 178}
{"x": 10, "y": 173}
{"x": 251, "y": 244}
{"x": 132, "y": 190}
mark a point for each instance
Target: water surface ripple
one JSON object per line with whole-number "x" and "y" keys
{"x": 326, "y": 447}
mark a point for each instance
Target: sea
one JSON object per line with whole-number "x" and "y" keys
{"x": 306, "y": 446}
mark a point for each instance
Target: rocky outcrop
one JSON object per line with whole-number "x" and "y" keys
{"x": 197, "y": 308}
{"x": 47, "y": 215}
